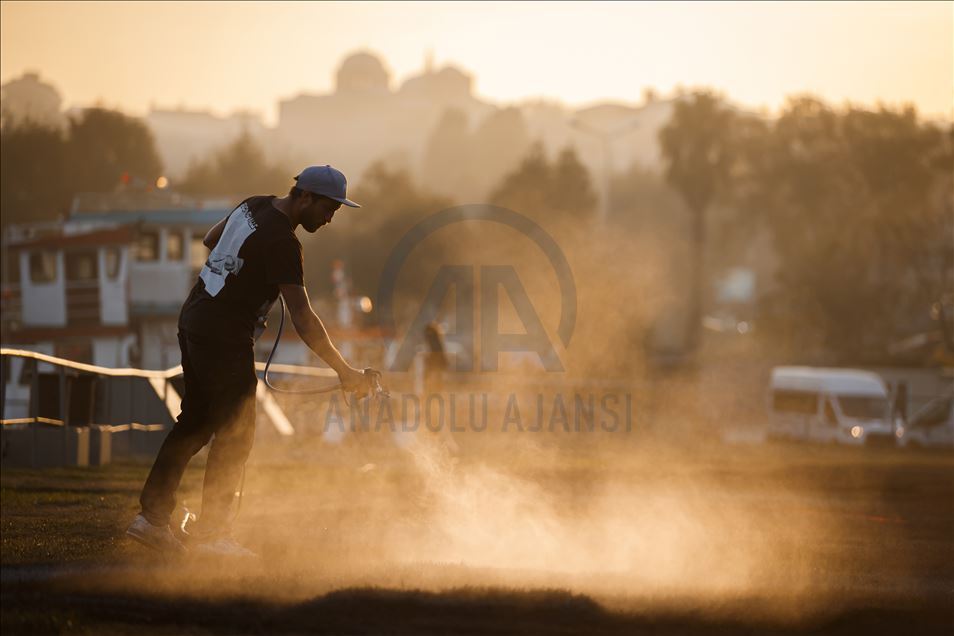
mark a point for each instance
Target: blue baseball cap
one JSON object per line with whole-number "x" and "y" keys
{"x": 326, "y": 181}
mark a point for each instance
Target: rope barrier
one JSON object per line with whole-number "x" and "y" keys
{"x": 158, "y": 380}
{"x": 31, "y": 420}
{"x": 112, "y": 428}
{"x": 161, "y": 374}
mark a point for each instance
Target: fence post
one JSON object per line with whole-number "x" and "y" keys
{"x": 133, "y": 437}
{"x": 6, "y": 364}
{"x": 64, "y": 413}
{"x": 34, "y": 408}
{"x": 108, "y": 398}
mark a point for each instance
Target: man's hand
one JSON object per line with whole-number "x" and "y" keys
{"x": 353, "y": 380}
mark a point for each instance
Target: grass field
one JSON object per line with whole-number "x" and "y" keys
{"x": 505, "y": 538}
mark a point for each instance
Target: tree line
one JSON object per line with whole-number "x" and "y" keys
{"x": 856, "y": 205}
{"x": 43, "y": 167}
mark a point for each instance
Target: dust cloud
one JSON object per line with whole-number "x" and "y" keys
{"x": 628, "y": 525}
{"x": 663, "y": 513}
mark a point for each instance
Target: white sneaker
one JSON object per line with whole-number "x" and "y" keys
{"x": 222, "y": 546}
{"x": 156, "y": 537}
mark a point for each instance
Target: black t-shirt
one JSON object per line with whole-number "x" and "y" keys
{"x": 257, "y": 252}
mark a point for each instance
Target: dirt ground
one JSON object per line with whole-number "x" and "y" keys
{"x": 506, "y": 535}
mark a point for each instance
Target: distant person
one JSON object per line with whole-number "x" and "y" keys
{"x": 435, "y": 359}
{"x": 255, "y": 256}
{"x": 435, "y": 366}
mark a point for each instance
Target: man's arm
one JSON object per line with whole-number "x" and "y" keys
{"x": 212, "y": 236}
{"x": 313, "y": 332}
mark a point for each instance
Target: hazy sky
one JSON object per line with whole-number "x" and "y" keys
{"x": 226, "y": 56}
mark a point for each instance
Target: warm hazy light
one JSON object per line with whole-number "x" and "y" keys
{"x": 162, "y": 183}
{"x": 137, "y": 54}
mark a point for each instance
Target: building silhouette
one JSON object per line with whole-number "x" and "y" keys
{"x": 27, "y": 98}
{"x": 364, "y": 119}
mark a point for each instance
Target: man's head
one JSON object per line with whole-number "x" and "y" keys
{"x": 318, "y": 192}
{"x": 310, "y": 209}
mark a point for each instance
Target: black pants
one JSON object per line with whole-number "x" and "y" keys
{"x": 219, "y": 401}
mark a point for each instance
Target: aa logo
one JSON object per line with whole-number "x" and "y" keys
{"x": 459, "y": 282}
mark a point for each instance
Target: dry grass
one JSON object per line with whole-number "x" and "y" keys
{"x": 555, "y": 538}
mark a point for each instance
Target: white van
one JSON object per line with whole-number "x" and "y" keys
{"x": 843, "y": 406}
{"x": 931, "y": 426}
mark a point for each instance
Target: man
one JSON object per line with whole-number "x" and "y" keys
{"x": 255, "y": 256}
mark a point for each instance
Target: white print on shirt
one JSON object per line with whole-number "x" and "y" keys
{"x": 224, "y": 259}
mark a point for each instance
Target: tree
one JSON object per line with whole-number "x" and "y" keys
{"x": 447, "y": 155}
{"x": 697, "y": 151}
{"x": 526, "y": 188}
{"x": 107, "y": 146}
{"x": 571, "y": 192}
{"x": 858, "y": 204}
{"x": 363, "y": 239}
{"x": 34, "y": 179}
{"x": 499, "y": 143}
{"x": 548, "y": 191}
{"x": 465, "y": 165}
{"x": 42, "y": 169}
{"x": 238, "y": 168}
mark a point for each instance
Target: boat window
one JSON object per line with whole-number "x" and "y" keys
{"x": 112, "y": 259}
{"x": 147, "y": 246}
{"x": 174, "y": 246}
{"x": 11, "y": 273}
{"x": 43, "y": 266}
{"x": 82, "y": 267}
{"x": 198, "y": 253}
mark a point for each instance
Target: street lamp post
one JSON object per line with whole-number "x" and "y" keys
{"x": 606, "y": 139}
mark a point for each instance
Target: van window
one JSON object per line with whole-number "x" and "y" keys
{"x": 863, "y": 407}
{"x": 934, "y": 415}
{"x": 795, "y": 402}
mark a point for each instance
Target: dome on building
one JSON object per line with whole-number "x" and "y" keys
{"x": 363, "y": 72}
{"x": 28, "y": 98}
